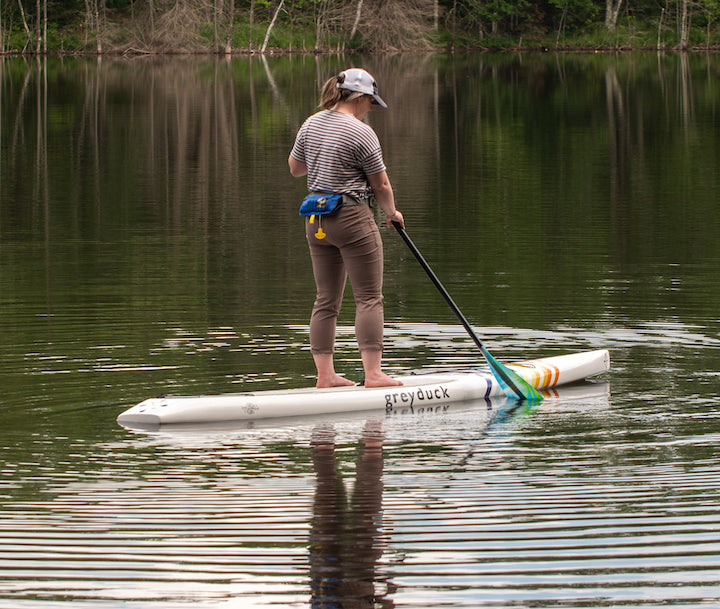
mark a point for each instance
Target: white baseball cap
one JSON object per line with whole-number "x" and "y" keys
{"x": 357, "y": 79}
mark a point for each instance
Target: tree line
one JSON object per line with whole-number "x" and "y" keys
{"x": 227, "y": 26}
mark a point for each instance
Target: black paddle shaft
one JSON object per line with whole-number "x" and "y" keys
{"x": 503, "y": 374}
{"x": 438, "y": 285}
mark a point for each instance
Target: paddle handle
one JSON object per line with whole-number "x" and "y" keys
{"x": 438, "y": 285}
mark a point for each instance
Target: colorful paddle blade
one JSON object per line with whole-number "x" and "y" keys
{"x": 511, "y": 382}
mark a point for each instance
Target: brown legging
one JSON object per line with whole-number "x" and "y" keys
{"x": 351, "y": 248}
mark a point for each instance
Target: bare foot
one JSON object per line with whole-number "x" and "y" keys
{"x": 381, "y": 380}
{"x": 333, "y": 381}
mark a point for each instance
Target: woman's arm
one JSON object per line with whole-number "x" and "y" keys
{"x": 382, "y": 189}
{"x": 297, "y": 168}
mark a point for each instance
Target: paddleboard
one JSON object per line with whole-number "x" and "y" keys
{"x": 419, "y": 392}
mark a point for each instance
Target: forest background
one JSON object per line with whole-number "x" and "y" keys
{"x": 318, "y": 26}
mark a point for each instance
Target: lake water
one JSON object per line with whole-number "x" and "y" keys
{"x": 150, "y": 244}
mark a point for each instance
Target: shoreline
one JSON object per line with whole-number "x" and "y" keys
{"x": 287, "y": 52}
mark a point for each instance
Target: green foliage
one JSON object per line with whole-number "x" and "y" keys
{"x": 489, "y": 17}
{"x": 118, "y": 4}
{"x": 502, "y": 10}
{"x": 63, "y": 39}
{"x": 487, "y": 24}
{"x": 576, "y": 13}
{"x": 711, "y": 10}
{"x": 17, "y": 40}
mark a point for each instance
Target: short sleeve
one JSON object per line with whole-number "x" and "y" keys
{"x": 298, "y": 149}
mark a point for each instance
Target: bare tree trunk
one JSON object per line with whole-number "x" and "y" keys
{"x": 152, "y": 18}
{"x": 92, "y": 18}
{"x": 252, "y": 16}
{"x": 98, "y": 36}
{"x": 561, "y": 27}
{"x": 25, "y": 25}
{"x": 357, "y": 19}
{"x": 684, "y": 27}
{"x": 45, "y": 24}
{"x": 319, "y": 23}
{"x": 662, "y": 14}
{"x": 230, "y": 24}
{"x": 454, "y": 22}
{"x": 318, "y": 31}
{"x": 709, "y": 21}
{"x": 271, "y": 26}
{"x": 38, "y": 25}
{"x": 88, "y": 20}
{"x": 216, "y": 45}
{"x": 612, "y": 11}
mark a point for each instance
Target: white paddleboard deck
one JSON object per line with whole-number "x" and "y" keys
{"x": 418, "y": 392}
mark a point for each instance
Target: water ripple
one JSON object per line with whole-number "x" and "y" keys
{"x": 526, "y": 513}
{"x": 595, "y": 498}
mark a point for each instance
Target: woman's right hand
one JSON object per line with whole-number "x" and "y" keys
{"x": 396, "y": 217}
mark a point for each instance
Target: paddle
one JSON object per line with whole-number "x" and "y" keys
{"x": 512, "y": 383}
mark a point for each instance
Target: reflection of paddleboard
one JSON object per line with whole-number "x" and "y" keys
{"x": 419, "y": 393}
{"x": 586, "y": 394}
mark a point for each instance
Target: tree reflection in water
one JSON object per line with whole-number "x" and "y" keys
{"x": 346, "y": 532}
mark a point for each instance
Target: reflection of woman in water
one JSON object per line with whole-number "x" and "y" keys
{"x": 344, "y": 544}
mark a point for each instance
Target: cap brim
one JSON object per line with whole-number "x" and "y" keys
{"x": 378, "y": 100}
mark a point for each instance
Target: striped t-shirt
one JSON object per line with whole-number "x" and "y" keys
{"x": 340, "y": 152}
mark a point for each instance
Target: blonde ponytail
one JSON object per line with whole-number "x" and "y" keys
{"x": 331, "y": 95}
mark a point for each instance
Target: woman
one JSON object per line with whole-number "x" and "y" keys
{"x": 341, "y": 154}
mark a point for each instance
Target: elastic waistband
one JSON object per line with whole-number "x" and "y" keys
{"x": 349, "y": 200}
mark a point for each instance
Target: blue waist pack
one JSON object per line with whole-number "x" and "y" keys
{"x": 320, "y": 204}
